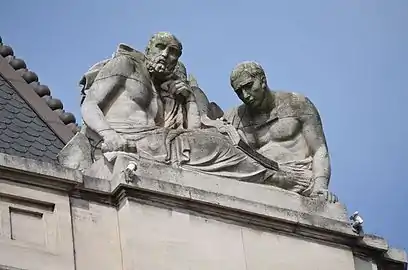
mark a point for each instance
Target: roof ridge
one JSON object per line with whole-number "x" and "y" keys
{"x": 41, "y": 90}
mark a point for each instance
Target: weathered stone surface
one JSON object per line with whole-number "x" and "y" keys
{"x": 375, "y": 242}
{"x": 285, "y": 127}
{"x": 96, "y": 232}
{"x": 364, "y": 264}
{"x": 178, "y": 239}
{"x": 38, "y": 173}
{"x": 155, "y": 114}
{"x": 35, "y": 228}
{"x": 77, "y": 153}
{"x": 396, "y": 255}
{"x": 163, "y": 223}
{"x": 159, "y": 190}
{"x": 281, "y": 249}
{"x": 156, "y": 176}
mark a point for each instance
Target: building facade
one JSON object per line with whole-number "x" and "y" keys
{"x": 53, "y": 217}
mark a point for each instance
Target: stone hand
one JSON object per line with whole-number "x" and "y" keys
{"x": 112, "y": 141}
{"x": 289, "y": 180}
{"x": 179, "y": 87}
{"x": 325, "y": 194}
{"x": 222, "y": 125}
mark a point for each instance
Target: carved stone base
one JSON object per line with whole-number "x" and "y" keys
{"x": 171, "y": 219}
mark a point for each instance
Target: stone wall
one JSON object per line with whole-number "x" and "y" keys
{"x": 35, "y": 227}
{"x": 56, "y": 218}
{"x": 167, "y": 238}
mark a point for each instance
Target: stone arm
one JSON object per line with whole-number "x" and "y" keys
{"x": 96, "y": 99}
{"x": 316, "y": 141}
{"x": 193, "y": 113}
{"x": 110, "y": 80}
{"x": 233, "y": 117}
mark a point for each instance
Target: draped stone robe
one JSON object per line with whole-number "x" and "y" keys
{"x": 204, "y": 151}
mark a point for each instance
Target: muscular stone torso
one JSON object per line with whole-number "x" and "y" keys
{"x": 134, "y": 102}
{"x": 277, "y": 134}
{"x": 134, "y": 105}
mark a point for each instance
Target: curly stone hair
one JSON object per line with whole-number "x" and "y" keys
{"x": 247, "y": 68}
{"x": 166, "y": 36}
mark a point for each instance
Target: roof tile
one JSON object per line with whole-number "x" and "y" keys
{"x": 11, "y": 134}
{"x": 35, "y": 151}
{"x": 26, "y": 137}
{"x": 4, "y": 144}
{"x": 22, "y": 132}
{"x": 31, "y": 78}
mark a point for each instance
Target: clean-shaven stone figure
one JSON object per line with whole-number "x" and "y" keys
{"x": 285, "y": 127}
{"x": 141, "y": 109}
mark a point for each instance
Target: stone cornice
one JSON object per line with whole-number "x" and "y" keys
{"x": 38, "y": 173}
{"x": 329, "y": 231}
{"x": 239, "y": 210}
{"x": 256, "y": 216}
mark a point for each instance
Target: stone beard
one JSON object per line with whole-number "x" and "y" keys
{"x": 158, "y": 63}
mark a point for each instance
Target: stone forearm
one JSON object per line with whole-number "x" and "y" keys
{"x": 193, "y": 115}
{"x": 321, "y": 167}
{"x": 94, "y": 118}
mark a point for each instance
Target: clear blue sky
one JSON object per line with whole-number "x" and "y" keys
{"x": 349, "y": 56}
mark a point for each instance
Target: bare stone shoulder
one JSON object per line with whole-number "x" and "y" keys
{"x": 120, "y": 65}
{"x": 294, "y": 104}
{"x": 234, "y": 115}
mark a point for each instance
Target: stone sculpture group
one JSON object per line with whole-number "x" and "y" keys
{"x": 144, "y": 106}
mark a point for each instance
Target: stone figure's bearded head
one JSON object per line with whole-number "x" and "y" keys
{"x": 248, "y": 80}
{"x": 162, "y": 54}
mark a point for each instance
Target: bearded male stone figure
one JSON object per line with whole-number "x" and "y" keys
{"x": 140, "y": 109}
{"x": 284, "y": 127}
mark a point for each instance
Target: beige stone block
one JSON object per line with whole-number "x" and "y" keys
{"x": 261, "y": 194}
{"x": 35, "y": 228}
{"x": 96, "y": 234}
{"x": 27, "y": 226}
{"x": 164, "y": 238}
{"x": 364, "y": 264}
{"x": 267, "y": 250}
{"x": 159, "y": 238}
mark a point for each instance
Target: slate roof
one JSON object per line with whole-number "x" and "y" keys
{"x": 33, "y": 124}
{"x": 22, "y": 132}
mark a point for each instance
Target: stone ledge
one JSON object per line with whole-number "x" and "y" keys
{"x": 4, "y": 267}
{"x": 252, "y": 214}
{"x": 396, "y": 255}
{"x": 38, "y": 173}
{"x": 252, "y": 204}
{"x": 220, "y": 206}
{"x": 263, "y": 194}
{"x": 374, "y": 242}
